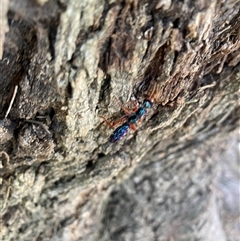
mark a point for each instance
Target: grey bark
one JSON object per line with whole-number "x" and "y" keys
{"x": 71, "y": 60}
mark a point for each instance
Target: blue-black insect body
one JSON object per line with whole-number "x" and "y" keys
{"x": 119, "y": 133}
{"x": 130, "y": 119}
{"x": 140, "y": 113}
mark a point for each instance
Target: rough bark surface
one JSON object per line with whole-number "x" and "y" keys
{"x": 68, "y": 62}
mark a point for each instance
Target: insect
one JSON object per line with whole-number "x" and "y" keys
{"x": 131, "y": 118}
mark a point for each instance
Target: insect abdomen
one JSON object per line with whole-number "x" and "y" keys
{"x": 119, "y": 133}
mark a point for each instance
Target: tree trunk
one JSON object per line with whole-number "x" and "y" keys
{"x": 65, "y": 65}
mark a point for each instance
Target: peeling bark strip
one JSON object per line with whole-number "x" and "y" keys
{"x": 70, "y": 59}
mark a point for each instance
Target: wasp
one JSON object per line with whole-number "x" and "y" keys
{"x": 131, "y": 118}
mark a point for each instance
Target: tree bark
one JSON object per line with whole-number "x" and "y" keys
{"x": 64, "y": 64}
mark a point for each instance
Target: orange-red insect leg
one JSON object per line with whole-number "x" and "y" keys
{"x": 152, "y": 93}
{"x": 133, "y": 127}
{"x": 115, "y": 123}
